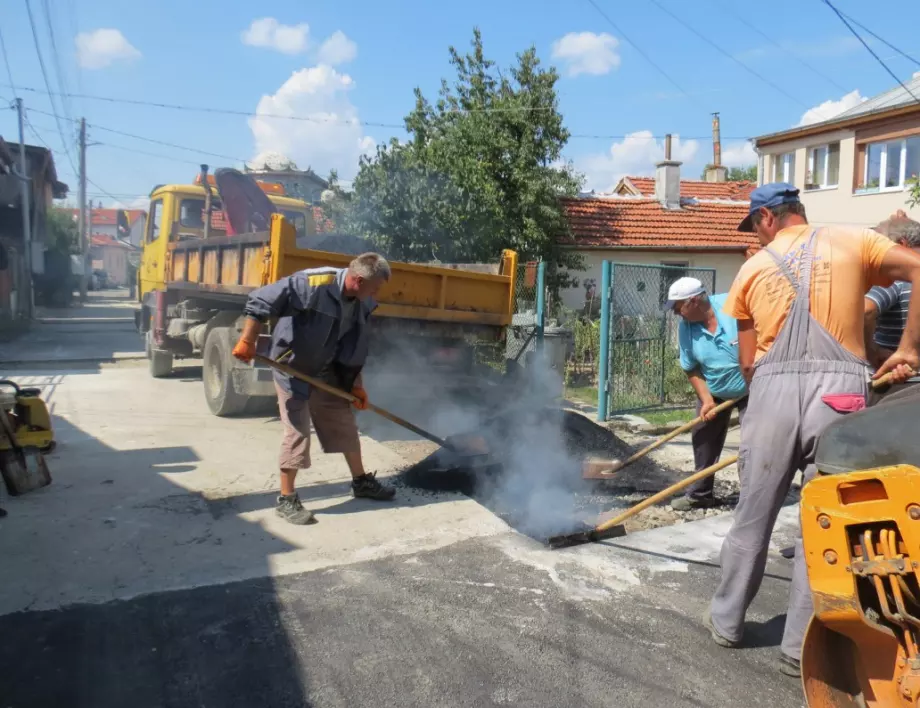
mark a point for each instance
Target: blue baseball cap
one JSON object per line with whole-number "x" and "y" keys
{"x": 769, "y": 195}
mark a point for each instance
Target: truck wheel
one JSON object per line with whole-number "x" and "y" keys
{"x": 219, "y": 390}
{"x": 159, "y": 361}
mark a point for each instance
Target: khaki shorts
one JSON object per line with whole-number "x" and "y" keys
{"x": 333, "y": 419}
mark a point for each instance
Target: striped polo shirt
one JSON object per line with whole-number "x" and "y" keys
{"x": 892, "y": 312}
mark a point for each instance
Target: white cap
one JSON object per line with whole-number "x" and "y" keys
{"x": 683, "y": 289}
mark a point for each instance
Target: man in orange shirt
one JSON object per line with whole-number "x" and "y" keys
{"x": 799, "y": 306}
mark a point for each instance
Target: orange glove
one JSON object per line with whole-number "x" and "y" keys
{"x": 244, "y": 350}
{"x": 360, "y": 395}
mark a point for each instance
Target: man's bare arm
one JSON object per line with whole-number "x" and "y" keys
{"x": 702, "y": 392}
{"x": 903, "y": 264}
{"x": 747, "y": 348}
{"x": 874, "y": 353}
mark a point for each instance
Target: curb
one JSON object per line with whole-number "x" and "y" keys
{"x": 659, "y": 429}
{"x": 78, "y": 360}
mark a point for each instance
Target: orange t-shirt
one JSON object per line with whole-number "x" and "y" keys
{"x": 847, "y": 262}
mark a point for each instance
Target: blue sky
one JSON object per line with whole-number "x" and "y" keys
{"x": 345, "y": 62}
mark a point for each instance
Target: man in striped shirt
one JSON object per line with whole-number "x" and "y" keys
{"x": 886, "y": 308}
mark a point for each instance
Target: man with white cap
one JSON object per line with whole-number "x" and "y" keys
{"x": 708, "y": 341}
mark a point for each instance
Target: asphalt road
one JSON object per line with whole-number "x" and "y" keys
{"x": 152, "y": 572}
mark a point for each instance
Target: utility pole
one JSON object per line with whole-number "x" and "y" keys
{"x": 25, "y": 183}
{"x": 81, "y": 221}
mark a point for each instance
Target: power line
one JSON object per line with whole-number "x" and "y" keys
{"x": 880, "y": 39}
{"x": 726, "y": 6}
{"x": 639, "y": 49}
{"x": 41, "y": 63}
{"x": 56, "y": 56}
{"x": 149, "y": 154}
{"x": 719, "y": 49}
{"x": 868, "y": 48}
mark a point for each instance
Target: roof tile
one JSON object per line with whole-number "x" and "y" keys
{"x": 645, "y": 224}
{"x": 697, "y": 189}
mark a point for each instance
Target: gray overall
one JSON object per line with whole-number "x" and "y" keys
{"x": 785, "y": 416}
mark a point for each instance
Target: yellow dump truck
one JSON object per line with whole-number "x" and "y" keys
{"x": 192, "y": 288}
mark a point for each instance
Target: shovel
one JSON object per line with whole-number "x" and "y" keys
{"x": 602, "y": 469}
{"x": 473, "y": 445}
{"x": 614, "y": 527}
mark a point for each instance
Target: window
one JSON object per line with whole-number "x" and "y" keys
{"x": 823, "y": 166}
{"x": 784, "y": 167}
{"x": 891, "y": 165}
{"x": 154, "y": 221}
{"x": 297, "y": 221}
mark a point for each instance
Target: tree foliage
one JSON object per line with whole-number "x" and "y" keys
{"x": 738, "y": 174}
{"x": 62, "y": 234}
{"x": 480, "y": 171}
{"x": 913, "y": 196}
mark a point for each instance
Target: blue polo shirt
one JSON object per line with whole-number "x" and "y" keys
{"x": 715, "y": 355}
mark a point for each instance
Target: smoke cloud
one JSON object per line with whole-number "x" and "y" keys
{"x": 519, "y": 417}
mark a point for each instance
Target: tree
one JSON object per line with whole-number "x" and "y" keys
{"x": 481, "y": 170}
{"x": 738, "y": 174}
{"x": 62, "y": 234}
{"x": 913, "y": 198}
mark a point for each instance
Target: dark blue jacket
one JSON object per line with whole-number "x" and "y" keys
{"x": 308, "y": 306}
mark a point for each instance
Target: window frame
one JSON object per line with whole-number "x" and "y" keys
{"x": 787, "y": 162}
{"x": 883, "y": 166}
{"x": 811, "y": 186}
{"x": 156, "y": 205}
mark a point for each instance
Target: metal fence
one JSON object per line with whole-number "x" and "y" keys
{"x": 526, "y": 330}
{"x": 639, "y": 365}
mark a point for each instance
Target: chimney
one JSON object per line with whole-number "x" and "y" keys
{"x": 667, "y": 178}
{"x": 716, "y": 172}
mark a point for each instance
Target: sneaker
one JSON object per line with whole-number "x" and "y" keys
{"x": 690, "y": 503}
{"x": 368, "y": 487}
{"x": 291, "y": 510}
{"x": 789, "y": 666}
{"x": 716, "y": 637}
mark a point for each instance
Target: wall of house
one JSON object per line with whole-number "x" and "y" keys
{"x": 114, "y": 262}
{"x": 839, "y": 205}
{"x": 726, "y": 266}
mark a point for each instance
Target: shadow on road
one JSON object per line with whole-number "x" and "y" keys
{"x": 109, "y": 524}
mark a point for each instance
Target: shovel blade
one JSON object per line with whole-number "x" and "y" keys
{"x": 599, "y": 469}
{"x": 579, "y": 538}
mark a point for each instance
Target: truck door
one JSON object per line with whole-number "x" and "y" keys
{"x": 153, "y": 259}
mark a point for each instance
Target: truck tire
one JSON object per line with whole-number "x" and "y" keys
{"x": 160, "y": 362}
{"x": 219, "y": 390}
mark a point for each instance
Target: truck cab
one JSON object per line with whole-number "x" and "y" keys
{"x": 177, "y": 213}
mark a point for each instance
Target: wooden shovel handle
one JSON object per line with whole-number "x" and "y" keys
{"x": 665, "y": 493}
{"x": 670, "y": 436}
{"x": 351, "y": 398}
{"x": 876, "y": 384}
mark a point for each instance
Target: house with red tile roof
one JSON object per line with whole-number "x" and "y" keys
{"x": 657, "y": 222}
{"x": 689, "y": 189}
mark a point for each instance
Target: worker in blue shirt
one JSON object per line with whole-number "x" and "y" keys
{"x": 708, "y": 340}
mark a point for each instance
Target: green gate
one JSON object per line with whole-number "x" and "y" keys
{"x": 639, "y": 364}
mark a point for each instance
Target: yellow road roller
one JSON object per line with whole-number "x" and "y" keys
{"x": 861, "y": 536}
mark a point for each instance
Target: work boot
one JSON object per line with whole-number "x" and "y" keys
{"x": 690, "y": 503}
{"x": 789, "y": 666}
{"x": 291, "y": 510}
{"x": 716, "y": 637}
{"x": 368, "y": 487}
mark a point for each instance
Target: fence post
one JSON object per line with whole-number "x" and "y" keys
{"x": 541, "y": 304}
{"x": 604, "y": 364}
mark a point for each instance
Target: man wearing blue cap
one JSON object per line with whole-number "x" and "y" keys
{"x": 799, "y": 306}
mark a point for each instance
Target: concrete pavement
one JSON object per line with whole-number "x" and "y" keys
{"x": 101, "y": 330}
{"x": 152, "y": 572}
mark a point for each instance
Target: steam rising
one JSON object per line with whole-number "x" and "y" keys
{"x": 520, "y": 420}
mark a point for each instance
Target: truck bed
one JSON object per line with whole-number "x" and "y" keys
{"x": 233, "y": 266}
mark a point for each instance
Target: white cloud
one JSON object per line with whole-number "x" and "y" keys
{"x": 101, "y": 47}
{"x": 268, "y": 33}
{"x": 328, "y": 134}
{"x": 740, "y": 154}
{"x": 337, "y": 49}
{"x": 635, "y": 155}
{"x": 587, "y": 53}
{"x": 829, "y": 109}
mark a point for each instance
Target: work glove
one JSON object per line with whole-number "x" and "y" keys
{"x": 245, "y": 350}
{"x": 360, "y": 395}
